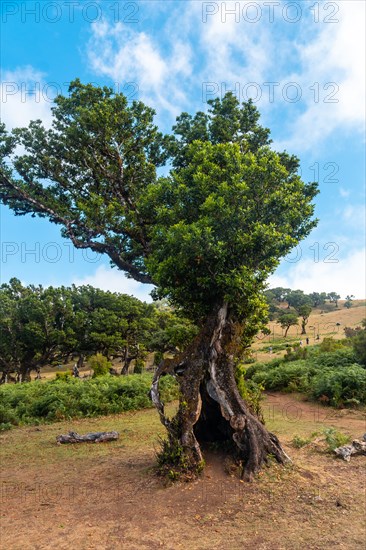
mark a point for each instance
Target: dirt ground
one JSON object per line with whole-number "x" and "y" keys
{"x": 107, "y": 496}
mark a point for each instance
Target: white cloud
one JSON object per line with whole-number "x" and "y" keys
{"x": 348, "y": 276}
{"x": 187, "y": 52}
{"x": 113, "y": 280}
{"x": 172, "y": 66}
{"x": 332, "y": 62}
{"x": 235, "y": 51}
{"x": 26, "y": 96}
{"x": 125, "y": 56}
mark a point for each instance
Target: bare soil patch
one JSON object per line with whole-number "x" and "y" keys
{"x": 106, "y": 497}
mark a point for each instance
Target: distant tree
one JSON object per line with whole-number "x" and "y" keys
{"x": 287, "y": 320}
{"x": 108, "y": 323}
{"x": 317, "y": 298}
{"x": 304, "y": 312}
{"x": 349, "y": 301}
{"x": 334, "y": 297}
{"x": 34, "y": 327}
{"x": 302, "y": 303}
{"x": 273, "y": 309}
{"x": 279, "y": 293}
{"x": 297, "y": 298}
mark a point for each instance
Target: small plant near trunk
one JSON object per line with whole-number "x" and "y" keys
{"x": 251, "y": 392}
{"x": 174, "y": 464}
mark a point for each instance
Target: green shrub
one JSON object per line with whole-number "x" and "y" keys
{"x": 339, "y": 358}
{"x": 359, "y": 347}
{"x": 342, "y": 387}
{"x": 64, "y": 375}
{"x": 259, "y": 366}
{"x": 329, "y": 344}
{"x": 99, "y": 364}
{"x": 298, "y": 442}
{"x": 139, "y": 366}
{"x": 4, "y": 426}
{"x": 173, "y": 462}
{"x": 74, "y": 398}
{"x": 332, "y": 378}
{"x": 7, "y": 416}
{"x": 335, "y": 439}
{"x": 294, "y": 376}
{"x": 296, "y": 353}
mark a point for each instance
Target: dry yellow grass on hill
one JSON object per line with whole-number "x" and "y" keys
{"x": 325, "y": 324}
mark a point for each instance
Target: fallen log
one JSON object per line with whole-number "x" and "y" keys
{"x": 94, "y": 437}
{"x": 356, "y": 448}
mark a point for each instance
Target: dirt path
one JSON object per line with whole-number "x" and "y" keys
{"x": 107, "y": 497}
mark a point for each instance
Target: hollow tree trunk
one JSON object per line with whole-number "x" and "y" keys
{"x": 211, "y": 407}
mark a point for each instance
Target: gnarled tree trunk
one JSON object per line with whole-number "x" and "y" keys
{"x": 210, "y": 406}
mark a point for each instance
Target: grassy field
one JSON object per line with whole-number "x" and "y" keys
{"x": 108, "y": 497}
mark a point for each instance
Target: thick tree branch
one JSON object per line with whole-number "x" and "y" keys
{"x": 102, "y": 248}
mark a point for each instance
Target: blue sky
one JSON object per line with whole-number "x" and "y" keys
{"x": 301, "y": 62}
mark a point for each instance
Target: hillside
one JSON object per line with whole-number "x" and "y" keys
{"x": 320, "y": 322}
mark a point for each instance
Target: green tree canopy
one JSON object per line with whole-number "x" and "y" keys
{"x": 287, "y": 320}
{"x": 43, "y": 326}
{"x": 35, "y": 326}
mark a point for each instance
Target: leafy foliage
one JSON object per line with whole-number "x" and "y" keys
{"x": 335, "y": 438}
{"x": 287, "y": 320}
{"x": 298, "y": 442}
{"x": 41, "y": 327}
{"x": 251, "y": 392}
{"x": 99, "y": 365}
{"x": 73, "y": 398}
{"x": 332, "y": 378}
{"x": 345, "y": 386}
{"x": 358, "y": 342}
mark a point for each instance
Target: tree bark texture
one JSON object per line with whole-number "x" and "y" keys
{"x": 210, "y": 406}
{"x": 94, "y": 437}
